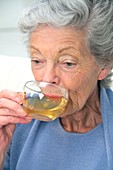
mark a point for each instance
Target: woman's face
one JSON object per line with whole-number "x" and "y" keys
{"x": 60, "y": 56}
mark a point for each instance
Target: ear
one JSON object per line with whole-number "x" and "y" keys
{"x": 103, "y": 74}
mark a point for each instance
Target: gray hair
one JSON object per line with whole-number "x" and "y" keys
{"x": 94, "y": 16}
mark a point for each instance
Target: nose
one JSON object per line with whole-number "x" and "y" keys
{"x": 50, "y": 74}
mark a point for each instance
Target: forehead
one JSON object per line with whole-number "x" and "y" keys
{"x": 49, "y": 40}
{"x": 50, "y": 35}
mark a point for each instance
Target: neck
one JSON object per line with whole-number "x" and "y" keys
{"x": 86, "y": 119}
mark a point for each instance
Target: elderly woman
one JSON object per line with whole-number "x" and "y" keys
{"x": 71, "y": 45}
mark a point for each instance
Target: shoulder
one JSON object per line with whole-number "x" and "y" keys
{"x": 106, "y": 100}
{"x": 106, "y": 95}
{"x": 110, "y": 94}
{"x": 107, "y": 118}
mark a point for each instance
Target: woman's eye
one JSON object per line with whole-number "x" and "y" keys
{"x": 69, "y": 64}
{"x": 35, "y": 61}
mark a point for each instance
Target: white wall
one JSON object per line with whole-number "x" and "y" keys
{"x": 14, "y": 72}
{"x": 11, "y": 42}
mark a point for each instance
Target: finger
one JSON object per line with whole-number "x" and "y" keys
{"x": 21, "y": 95}
{"x": 14, "y": 96}
{"x": 5, "y": 120}
{"x": 10, "y": 107}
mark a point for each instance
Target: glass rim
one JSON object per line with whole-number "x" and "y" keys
{"x": 44, "y": 83}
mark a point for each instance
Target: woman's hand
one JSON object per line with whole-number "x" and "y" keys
{"x": 11, "y": 113}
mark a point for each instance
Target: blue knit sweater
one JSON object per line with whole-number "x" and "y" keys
{"x": 47, "y": 146}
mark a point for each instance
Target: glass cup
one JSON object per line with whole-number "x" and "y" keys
{"x": 44, "y": 101}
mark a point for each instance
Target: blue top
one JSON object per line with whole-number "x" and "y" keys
{"x": 47, "y": 146}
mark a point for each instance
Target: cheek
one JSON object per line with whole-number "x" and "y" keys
{"x": 73, "y": 81}
{"x": 80, "y": 87}
{"x": 83, "y": 79}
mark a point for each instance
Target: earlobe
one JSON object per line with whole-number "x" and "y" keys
{"x": 103, "y": 74}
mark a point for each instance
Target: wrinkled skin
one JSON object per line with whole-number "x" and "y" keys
{"x": 60, "y": 56}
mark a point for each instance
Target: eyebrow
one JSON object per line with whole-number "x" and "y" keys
{"x": 60, "y": 51}
{"x": 31, "y": 46}
{"x": 67, "y": 48}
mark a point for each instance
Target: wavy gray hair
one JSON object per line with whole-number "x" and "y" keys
{"x": 95, "y": 16}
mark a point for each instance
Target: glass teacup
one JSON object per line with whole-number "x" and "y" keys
{"x": 44, "y": 101}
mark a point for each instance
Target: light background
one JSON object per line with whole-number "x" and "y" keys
{"x": 11, "y": 40}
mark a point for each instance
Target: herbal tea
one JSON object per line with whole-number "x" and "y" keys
{"x": 49, "y": 107}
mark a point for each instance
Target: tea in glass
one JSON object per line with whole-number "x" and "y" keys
{"x": 44, "y": 101}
